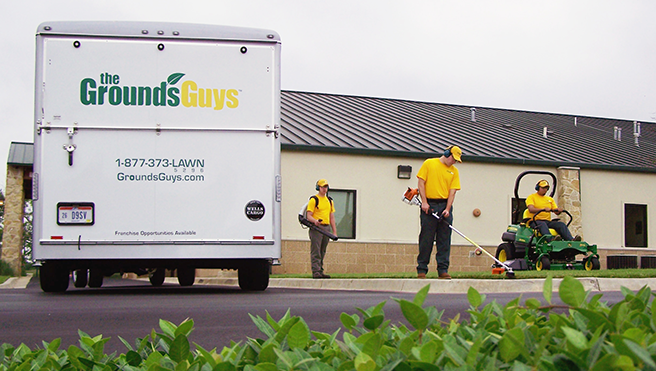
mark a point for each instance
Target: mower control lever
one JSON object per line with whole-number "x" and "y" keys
{"x": 545, "y": 211}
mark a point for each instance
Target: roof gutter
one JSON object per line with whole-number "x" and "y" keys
{"x": 475, "y": 159}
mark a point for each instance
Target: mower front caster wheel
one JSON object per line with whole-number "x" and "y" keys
{"x": 592, "y": 264}
{"x": 543, "y": 263}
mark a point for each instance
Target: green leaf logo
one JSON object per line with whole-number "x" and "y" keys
{"x": 174, "y": 78}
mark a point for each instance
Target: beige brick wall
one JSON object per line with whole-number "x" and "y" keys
{"x": 354, "y": 257}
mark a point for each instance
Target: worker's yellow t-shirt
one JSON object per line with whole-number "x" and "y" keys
{"x": 541, "y": 202}
{"x": 440, "y": 179}
{"x": 321, "y": 211}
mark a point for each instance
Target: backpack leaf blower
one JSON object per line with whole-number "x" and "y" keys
{"x": 303, "y": 220}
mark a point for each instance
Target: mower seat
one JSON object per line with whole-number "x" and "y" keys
{"x": 526, "y": 219}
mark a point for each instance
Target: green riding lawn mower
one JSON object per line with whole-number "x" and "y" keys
{"x": 524, "y": 248}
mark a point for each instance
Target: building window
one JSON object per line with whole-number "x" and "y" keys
{"x": 635, "y": 225}
{"x": 344, "y": 201}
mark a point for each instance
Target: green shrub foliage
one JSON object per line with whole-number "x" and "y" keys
{"x": 583, "y": 334}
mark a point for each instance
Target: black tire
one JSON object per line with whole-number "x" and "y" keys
{"x": 254, "y": 276}
{"x": 592, "y": 264}
{"x": 95, "y": 277}
{"x": 505, "y": 251}
{"x": 186, "y": 276}
{"x": 156, "y": 277}
{"x": 543, "y": 264}
{"x": 80, "y": 277}
{"x": 53, "y": 277}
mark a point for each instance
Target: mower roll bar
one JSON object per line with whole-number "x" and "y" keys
{"x": 554, "y": 182}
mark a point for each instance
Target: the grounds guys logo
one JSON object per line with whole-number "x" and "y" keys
{"x": 108, "y": 90}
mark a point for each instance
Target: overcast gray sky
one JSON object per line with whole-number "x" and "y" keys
{"x": 588, "y": 57}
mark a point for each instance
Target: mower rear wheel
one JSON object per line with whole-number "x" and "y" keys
{"x": 592, "y": 264}
{"x": 505, "y": 251}
{"x": 543, "y": 263}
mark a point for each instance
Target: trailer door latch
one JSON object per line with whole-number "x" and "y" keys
{"x": 70, "y": 147}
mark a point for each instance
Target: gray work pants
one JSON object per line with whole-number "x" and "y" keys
{"x": 434, "y": 231}
{"x": 318, "y": 245}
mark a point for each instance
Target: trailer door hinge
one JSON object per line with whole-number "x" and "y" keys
{"x": 41, "y": 127}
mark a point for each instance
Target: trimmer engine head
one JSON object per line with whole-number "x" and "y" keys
{"x": 411, "y": 197}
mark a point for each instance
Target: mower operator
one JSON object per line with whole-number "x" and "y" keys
{"x": 320, "y": 212}
{"x": 542, "y": 205}
{"x": 438, "y": 180}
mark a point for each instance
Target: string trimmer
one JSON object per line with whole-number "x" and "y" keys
{"x": 411, "y": 197}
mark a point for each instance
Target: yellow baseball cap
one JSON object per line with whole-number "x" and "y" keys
{"x": 456, "y": 152}
{"x": 543, "y": 184}
{"x": 322, "y": 182}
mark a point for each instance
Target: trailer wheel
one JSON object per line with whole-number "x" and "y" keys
{"x": 54, "y": 277}
{"x": 95, "y": 277}
{"x": 254, "y": 276}
{"x": 543, "y": 263}
{"x": 80, "y": 277}
{"x": 505, "y": 251}
{"x": 186, "y": 276}
{"x": 592, "y": 264}
{"x": 156, "y": 276}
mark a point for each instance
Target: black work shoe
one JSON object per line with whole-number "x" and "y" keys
{"x": 578, "y": 238}
{"x": 323, "y": 275}
{"x": 557, "y": 238}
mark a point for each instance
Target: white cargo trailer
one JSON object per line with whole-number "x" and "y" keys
{"x": 156, "y": 147}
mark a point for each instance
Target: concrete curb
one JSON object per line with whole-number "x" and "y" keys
{"x": 455, "y": 286}
{"x": 437, "y": 286}
{"x": 16, "y": 282}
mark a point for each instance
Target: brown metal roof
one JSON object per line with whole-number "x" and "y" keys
{"x": 352, "y": 124}
{"x": 392, "y": 127}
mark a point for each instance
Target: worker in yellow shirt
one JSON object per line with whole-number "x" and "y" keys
{"x": 320, "y": 212}
{"x": 438, "y": 180}
{"x": 542, "y": 205}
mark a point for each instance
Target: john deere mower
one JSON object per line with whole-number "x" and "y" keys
{"x": 524, "y": 248}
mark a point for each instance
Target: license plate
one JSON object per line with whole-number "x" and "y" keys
{"x": 75, "y": 213}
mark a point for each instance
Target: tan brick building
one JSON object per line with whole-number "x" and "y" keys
{"x": 362, "y": 146}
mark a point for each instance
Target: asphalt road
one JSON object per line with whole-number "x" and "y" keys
{"x": 131, "y": 309}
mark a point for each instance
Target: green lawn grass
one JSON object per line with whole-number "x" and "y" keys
{"x": 612, "y": 273}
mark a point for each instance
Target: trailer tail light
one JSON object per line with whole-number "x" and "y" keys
{"x": 258, "y": 237}
{"x": 56, "y": 237}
